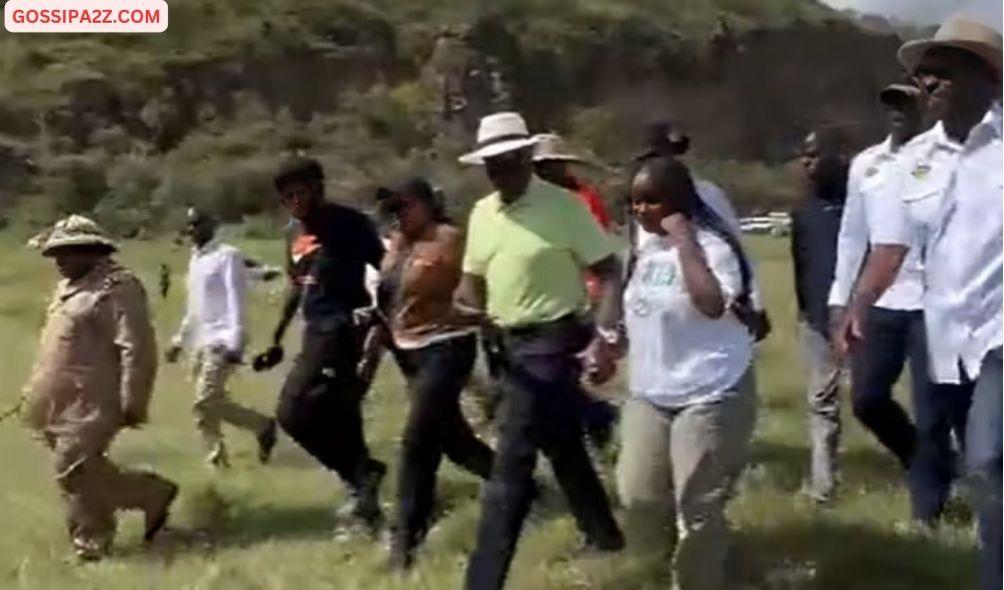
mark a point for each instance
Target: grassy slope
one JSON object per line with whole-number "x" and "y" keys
{"x": 272, "y": 526}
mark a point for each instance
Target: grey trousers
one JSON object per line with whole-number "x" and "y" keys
{"x": 823, "y": 406}
{"x": 676, "y": 471}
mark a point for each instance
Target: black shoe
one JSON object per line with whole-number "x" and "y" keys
{"x": 266, "y": 442}
{"x": 367, "y": 496}
{"x": 156, "y": 519}
{"x": 604, "y": 544}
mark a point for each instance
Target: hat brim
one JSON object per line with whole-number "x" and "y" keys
{"x": 78, "y": 241}
{"x": 477, "y": 157}
{"x": 886, "y": 96}
{"x": 571, "y": 159}
{"x": 912, "y": 52}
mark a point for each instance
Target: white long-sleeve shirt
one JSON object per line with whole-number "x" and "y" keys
{"x": 217, "y": 285}
{"x": 950, "y": 203}
{"x": 870, "y": 172}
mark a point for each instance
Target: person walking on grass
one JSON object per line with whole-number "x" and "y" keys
{"x": 814, "y": 229}
{"x": 662, "y": 139}
{"x": 528, "y": 245}
{"x": 213, "y": 328}
{"x": 320, "y": 404}
{"x": 945, "y": 201}
{"x": 552, "y": 162}
{"x": 435, "y": 348}
{"x": 686, "y": 430}
{"x": 895, "y": 328}
{"x": 93, "y": 376}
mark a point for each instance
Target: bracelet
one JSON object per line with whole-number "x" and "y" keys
{"x": 610, "y": 335}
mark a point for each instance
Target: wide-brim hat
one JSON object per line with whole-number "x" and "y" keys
{"x": 76, "y": 230}
{"x": 497, "y": 134}
{"x": 892, "y": 92}
{"x": 551, "y": 148}
{"x": 961, "y": 33}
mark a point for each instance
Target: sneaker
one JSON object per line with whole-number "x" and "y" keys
{"x": 156, "y": 519}
{"x": 402, "y": 555}
{"x": 266, "y": 442}
{"x": 367, "y": 496}
{"x": 91, "y": 551}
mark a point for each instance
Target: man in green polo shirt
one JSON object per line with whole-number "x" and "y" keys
{"x": 529, "y": 244}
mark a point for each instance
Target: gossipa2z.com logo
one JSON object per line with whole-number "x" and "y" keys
{"x": 85, "y": 16}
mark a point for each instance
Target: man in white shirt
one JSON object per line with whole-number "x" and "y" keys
{"x": 213, "y": 328}
{"x": 947, "y": 200}
{"x": 894, "y": 328}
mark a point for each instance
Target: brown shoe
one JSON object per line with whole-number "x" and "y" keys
{"x": 156, "y": 519}
{"x": 266, "y": 442}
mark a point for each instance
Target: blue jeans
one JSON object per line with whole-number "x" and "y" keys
{"x": 983, "y": 466}
{"x": 922, "y": 446}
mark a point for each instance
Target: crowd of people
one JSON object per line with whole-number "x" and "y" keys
{"x": 901, "y": 242}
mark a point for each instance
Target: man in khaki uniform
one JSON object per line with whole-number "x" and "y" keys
{"x": 93, "y": 376}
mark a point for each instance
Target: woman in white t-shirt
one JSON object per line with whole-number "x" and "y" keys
{"x": 687, "y": 427}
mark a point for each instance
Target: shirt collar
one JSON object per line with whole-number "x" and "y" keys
{"x": 207, "y": 248}
{"x": 68, "y": 288}
{"x": 989, "y": 127}
{"x": 533, "y": 189}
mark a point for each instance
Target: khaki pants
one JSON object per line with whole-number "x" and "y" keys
{"x": 212, "y": 408}
{"x": 823, "y": 406}
{"x": 681, "y": 465}
{"x": 93, "y": 488}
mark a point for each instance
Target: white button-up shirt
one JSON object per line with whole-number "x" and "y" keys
{"x": 217, "y": 285}
{"x": 870, "y": 171}
{"x": 951, "y": 203}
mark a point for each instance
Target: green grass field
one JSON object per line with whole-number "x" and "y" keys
{"x": 255, "y": 527}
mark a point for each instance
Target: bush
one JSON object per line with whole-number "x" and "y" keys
{"x": 75, "y": 182}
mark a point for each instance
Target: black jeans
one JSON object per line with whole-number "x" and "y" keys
{"x": 320, "y": 402}
{"x": 924, "y": 446}
{"x": 436, "y": 375}
{"x": 541, "y": 409}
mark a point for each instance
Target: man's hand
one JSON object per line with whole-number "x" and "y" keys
{"x": 848, "y": 333}
{"x": 171, "y": 354}
{"x": 268, "y": 359}
{"x": 600, "y": 361}
{"x": 234, "y": 357}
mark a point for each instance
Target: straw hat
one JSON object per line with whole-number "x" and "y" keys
{"x": 497, "y": 134}
{"x": 961, "y": 33}
{"x": 76, "y": 230}
{"x": 551, "y": 147}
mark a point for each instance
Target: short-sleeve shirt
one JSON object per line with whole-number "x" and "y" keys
{"x": 532, "y": 253}
{"x": 678, "y": 355}
{"x": 870, "y": 172}
{"x": 328, "y": 255}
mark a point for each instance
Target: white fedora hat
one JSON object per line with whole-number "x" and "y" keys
{"x": 551, "y": 147}
{"x": 497, "y": 134}
{"x": 961, "y": 33}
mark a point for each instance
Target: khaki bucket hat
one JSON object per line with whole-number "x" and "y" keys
{"x": 76, "y": 230}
